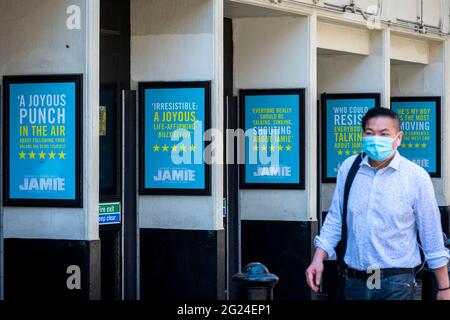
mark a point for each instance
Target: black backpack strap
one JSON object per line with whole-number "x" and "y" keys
{"x": 342, "y": 247}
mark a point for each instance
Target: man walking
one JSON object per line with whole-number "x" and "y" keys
{"x": 391, "y": 201}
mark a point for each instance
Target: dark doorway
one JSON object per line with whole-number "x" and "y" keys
{"x": 114, "y": 79}
{"x": 231, "y": 219}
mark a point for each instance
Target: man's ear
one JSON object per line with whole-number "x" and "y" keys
{"x": 400, "y": 137}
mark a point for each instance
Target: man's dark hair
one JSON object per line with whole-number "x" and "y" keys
{"x": 380, "y": 112}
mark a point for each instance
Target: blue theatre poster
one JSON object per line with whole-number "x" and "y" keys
{"x": 341, "y": 129}
{"x": 274, "y": 144}
{"x": 42, "y": 139}
{"x": 174, "y": 118}
{"x": 421, "y": 122}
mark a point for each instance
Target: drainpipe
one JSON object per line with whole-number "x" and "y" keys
{"x": 353, "y": 8}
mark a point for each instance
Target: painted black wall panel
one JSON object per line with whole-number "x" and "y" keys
{"x": 445, "y": 219}
{"x": 111, "y": 266}
{"x": 36, "y": 269}
{"x": 181, "y": 264}
{"x": 130, "y": 200}
{"x": 285, "y": 249}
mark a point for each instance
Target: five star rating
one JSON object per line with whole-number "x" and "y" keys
{"x": 280, "y": 147}
{"x": 174, "y": 148}
{"x": 414, "y": 145}
{"x": 42, "y": 155}
{"x": 347, "y": 152}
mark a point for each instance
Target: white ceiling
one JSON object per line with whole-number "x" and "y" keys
{"x": 239, "y": 10}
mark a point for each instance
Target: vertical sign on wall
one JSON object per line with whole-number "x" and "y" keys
{"x": 275, "y": 138}
{"x": 42, "y": 139}
{"x": 341, "y": 128}
{"x": 173, "y": 119}
{"x": 421, "y": 122}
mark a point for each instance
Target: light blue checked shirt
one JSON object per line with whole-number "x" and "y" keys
{"x": 385, "y": 210}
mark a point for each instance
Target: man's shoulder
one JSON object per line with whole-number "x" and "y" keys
{"x": 412, "y": 168}
{"x": 349, "y": 162}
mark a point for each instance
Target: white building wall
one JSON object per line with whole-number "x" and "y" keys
{"x": 358, "y": 60}
{"x": 180, "y": 40}
{"x": 34, "y": 39}
{"x": 409, "y": 79}
{"x": 352, "y": 73}
{"x": 274, "y": 52}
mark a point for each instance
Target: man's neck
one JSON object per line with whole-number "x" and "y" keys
{"x": 382, "y": 164}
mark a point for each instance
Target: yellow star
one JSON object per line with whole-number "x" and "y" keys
{"x": 32, "y": 155}
{"x": 424, "y": 145}
{"x": 417, "y": 145}
{"x": 156, "y": 148}
{"x": 403, "y": 145}
{"x": 62, "y": 155}
{"x": 263, "y": 148}
{"x": 272, "y": 148}
{"x": 42, "y": 155}
{"x": 288, "y": 148}
{"x": 340, "y": 152}
{"x": 52, "y": 155}
{"x": 192, "y": 148}
{"x": 280, "y": 148}
{"x": 174, "y": 148}
{"x": 183, "y": 148}
{"x": 255, "y": 148}
{"x": 347, "y": 153}
{"x": 22, "y": 155}
{"x": 410, "y": 145}
{"x": 165, "y": 148}
{"x": 355, "y": 152}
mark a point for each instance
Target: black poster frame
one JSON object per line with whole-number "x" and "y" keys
{"x": 325, "y": 97}
{"x": 206, "y": 191}
{"x": 300, "y": 92}
{"x": 44, "y": 202}
{"x": 437, "y": 100}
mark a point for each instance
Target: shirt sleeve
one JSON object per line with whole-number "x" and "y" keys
{"x": 428, "y": 221}
{"x": 330, "y": 233}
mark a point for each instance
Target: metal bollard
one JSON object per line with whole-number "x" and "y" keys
{"x": 255, "y": 282}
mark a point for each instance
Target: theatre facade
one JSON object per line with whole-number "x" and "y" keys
{"x": 151, "y": 149}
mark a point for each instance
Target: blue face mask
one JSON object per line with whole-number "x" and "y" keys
{"x": 378, "y": 148}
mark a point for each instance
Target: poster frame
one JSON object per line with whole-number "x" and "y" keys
{"x": 77, "y": 79}
{"x": 243, "y": 93}
{"x": 206, "y": 191}
{"x": 323, "y": 119}
{"x": 437, "y": 100}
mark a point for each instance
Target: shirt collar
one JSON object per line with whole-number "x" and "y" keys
{"x": 394, "y": 164}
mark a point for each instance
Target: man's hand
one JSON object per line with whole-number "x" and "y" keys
{"x": 315, "y": 270}
{"x": 443, "y": 295}
{"x": 314, "y": 275}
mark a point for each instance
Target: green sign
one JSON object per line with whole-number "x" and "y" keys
{"x": 109, "y": 213}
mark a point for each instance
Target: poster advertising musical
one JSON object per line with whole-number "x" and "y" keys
{"x": 341, "y": 129}
{"x": 421, "y": 122}
{"x": 42, "y": 136}
{"x": 173, "y": 119}
{"x": 274, "y": 144}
